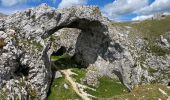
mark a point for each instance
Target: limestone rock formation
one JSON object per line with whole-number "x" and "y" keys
{"x": 28, "y": 38}
{"x": 25, "y": 55}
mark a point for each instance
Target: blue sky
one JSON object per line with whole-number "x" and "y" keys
{"x": 120, "y": 10}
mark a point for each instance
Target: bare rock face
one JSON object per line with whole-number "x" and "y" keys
{"x": 28, "y": 38}
{"x": 25, "y": 66}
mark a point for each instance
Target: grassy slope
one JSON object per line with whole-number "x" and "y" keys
{"x": 150, "y": 30}
{"x": 108, "y": 88}
{"x": 81, "y": 73}
{"x": 58, "y": 92}
{"x": 146, "y": 92}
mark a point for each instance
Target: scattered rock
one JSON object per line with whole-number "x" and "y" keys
{"x": 58, "y": 74}
{"x": 66, "y": 86}
{"x": 164, "y": 42}
{"x": 31, "y": 37}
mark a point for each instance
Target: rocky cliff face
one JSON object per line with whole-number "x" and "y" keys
{"x": 27, "y": 40}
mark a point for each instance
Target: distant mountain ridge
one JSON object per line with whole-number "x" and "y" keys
{"x": 2, "y": 15}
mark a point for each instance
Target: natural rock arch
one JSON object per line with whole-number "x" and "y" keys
{"x": 91, "y": 42}
{"x": 34, "y": 26}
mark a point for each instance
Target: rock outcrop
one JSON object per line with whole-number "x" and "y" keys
{"x": 25, "y": 55}
{"x": 28, "y": 38}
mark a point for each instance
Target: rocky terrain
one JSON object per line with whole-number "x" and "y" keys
{"x": 2, "y": 15}
{"x": 122, "y": 51}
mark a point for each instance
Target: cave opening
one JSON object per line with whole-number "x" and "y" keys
{"x": 60, "y": 51}
{"x": 169, "y": 84}
{"x": 21, "y": 70}
{"x": 61, "y": 60}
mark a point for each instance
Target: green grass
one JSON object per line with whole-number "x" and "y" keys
{"x": 81, "y": 73}
{"x": 145, "y": 92}
{"x": 3, "y": 94}
{"x": 56, "y": 58}
{"x": 58, "y": 92}
{"x": 152, "y": 70}
{"x": 108, "y": 88}
{"x": 65, "y": 62}
{"x": 30, "y": 44}
{"x": 150, "y": 30}
{"x": 158, "y": 50}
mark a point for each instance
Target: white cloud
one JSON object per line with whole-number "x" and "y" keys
{"x": 69, "y": 3}
{"x": 122, "y": 7}
{"x": 167, "y": 13}
{"x": 141, "y": 8}
{"x": 9, "y": 2}
{"x": 142, "y": 17}
{"x": 155, "y": 7}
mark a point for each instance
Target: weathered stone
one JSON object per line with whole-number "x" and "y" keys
{"x": 58, "y": 74}
{"x": 31, "y": 37}
{"x": 28, "y": 49}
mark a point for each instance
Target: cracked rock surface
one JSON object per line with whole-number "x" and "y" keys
{"x": 28, "y": 38}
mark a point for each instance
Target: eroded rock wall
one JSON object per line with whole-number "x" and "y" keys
{"x": 29, "y": 38}
{"x": 25, "y": 57}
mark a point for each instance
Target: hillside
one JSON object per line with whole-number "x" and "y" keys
{"x": 2, "y": 15}
{"x": 76, "y": 53}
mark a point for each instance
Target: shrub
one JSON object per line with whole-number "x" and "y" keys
{"x": 2, "y": 43}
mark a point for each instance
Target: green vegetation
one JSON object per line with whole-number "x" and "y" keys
{"x": 37, "y": 45}
{"x": 108, "y": 88}
{"x": 57, "y": 58}
{"x": 3, "y": 94}
{"x": 64, "y": 62}
{"x": 150, "y": 30}
{"x": 158, "y": 50}
{"x": 16, "y": 97}
{"x": 145, "y": 92}
{"x": 58, "y": 92}
{"x": 81, "y": 73}
{"x": 32, "y": 93}
{"x": 31, "y": 44}
{"x": 2, "y": 43}
{"x": 152, "y": 70}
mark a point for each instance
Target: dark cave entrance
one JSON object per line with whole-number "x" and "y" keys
{"x": 169, "y": 84}
{"x": 61, "y": 60}
{"x": 21, "y": 69}
{"x": 59, "y": 52}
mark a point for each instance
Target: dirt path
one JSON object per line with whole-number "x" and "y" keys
{"x": 78, "y": 88}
